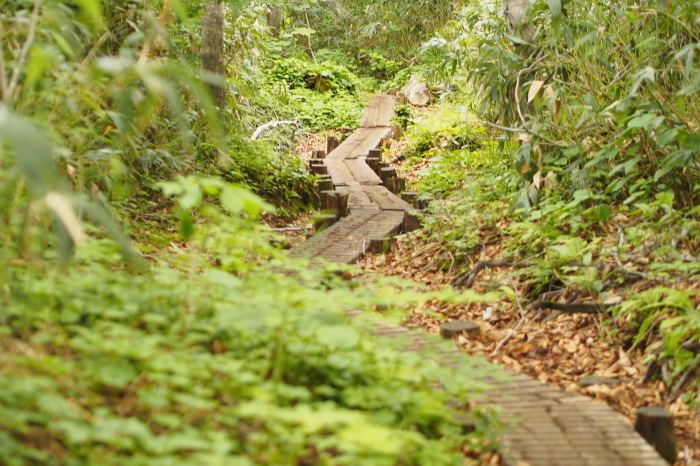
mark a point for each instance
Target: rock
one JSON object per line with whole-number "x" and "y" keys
{"x": 459, "y": 327}
{"x": 417, "y": 93}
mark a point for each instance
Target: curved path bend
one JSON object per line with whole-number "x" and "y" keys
{"x": 546, "y": 425}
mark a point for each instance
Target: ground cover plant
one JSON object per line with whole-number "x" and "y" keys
{"x": 145, "y": 318}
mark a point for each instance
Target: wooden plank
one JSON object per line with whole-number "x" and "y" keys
{"x": 362, "y": 173}
{"x": 385, "y": 199}
{"x": 360, "y": 143}
{"x": 358, "y": 197}
{"x": 380, "y": 112}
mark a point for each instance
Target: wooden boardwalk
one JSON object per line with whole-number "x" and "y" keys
{"x": 546, "y": 425}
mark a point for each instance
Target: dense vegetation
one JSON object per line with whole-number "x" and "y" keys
{"x": 583, "y": 126}
{"x": 144, "y": 316}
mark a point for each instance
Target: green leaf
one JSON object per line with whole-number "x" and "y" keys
{"x": 604, "y": 213}
{"x": 186, "y": 226}
{"x": 115, "y": 372}
{"x": 338, "y": 336}
{"x": 517, "y": 40}
{"x": 33, "y": 152}
{"x": 93, "y": 10}
{"x": 555, "y": 8}
{"x": 303, "y": 31}
{"x": 641, "y": 121}
{"x": 231, "y": 200}
{"x": 691, "y": 88}
{"x": 692, "y": 143}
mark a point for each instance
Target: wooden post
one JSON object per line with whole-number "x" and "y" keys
{"x": 396, "y": 185}
{"x": 324, "y": 184}
{"x": 411, "y": 222}
{"x": 343, "y": 199}
{"x": 386, "y": 173}
{"x": 412, "y": 198}
{"x": 318, "y": 155}
{"x": 323, "y": 221}
{"x": 377, "y": 153}
{"x": 373, "y": 163}
{"x": 332, "y": 143}
{"x": 656, "y": 426}
{"x": 459, "y": 327}
{"x": 319, "y": 169}
{"x": 329, "y": 201}
{"x": 396, "y": 131}
{"x": 379, "y": 245}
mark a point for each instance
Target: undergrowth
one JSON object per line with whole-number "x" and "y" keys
{"x": 108, "y": 362}
{"x": 563, "y": 244}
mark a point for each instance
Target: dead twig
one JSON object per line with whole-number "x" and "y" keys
{"x": 510, "y": 335}
{"x": 24, "y": 53}
{"x": 573, "y": 308}
{"x": 468, "y": 279}
{"x": 678, "y": 386}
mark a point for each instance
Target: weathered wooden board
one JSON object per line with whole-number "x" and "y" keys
{"x": 361, "y": 172}
{"x": 360, "y": 143}
{"x": 380, "y": 111}
{"x": 385, "y": 199}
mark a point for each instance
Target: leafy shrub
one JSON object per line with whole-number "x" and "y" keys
{"x": 102, "y": 364}
{"x": 613, "y": 110}
{"x": 449, "y": 129}
{"x": 320, "y": 77}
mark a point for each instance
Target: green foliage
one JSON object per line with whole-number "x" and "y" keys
{"x": 98, "y": 364}
{"x": 605, "y": 93}
{"x": 321, "y": 77}
{"x": 449, "y": 129}
{"x": 671, "y": 313}
{"x": 316, "y": 111}
{"x": 379, "y": 65}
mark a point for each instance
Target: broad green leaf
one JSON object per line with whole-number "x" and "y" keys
{"x": 692, "y": 88}
{"x": 603, "y": 212}
{"x": 555, "y": 8}
{"x": 692, "y": 143}
{"x": 232, "y": 200}
{"x": 303, "y": 31}
{"x": 338, "y": 336}
{"x": 33, "y": 152}
{"x": 517, "y": 40}
{"x": 93, "y": 10}
{"x": 641, "y": 121}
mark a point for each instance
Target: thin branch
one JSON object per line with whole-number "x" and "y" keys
{"x": 91, "y": 54}
{"x": 573, "y": 308}
{"x": 468, "y": 279}
{"x": 271, "y": 125}
{"x": 521, "y": 130}
{"x": 510, "y": 334}
{"x": 3, "y": 73}
{"x": 24, "y": 53}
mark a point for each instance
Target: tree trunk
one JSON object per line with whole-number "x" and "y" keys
{"x": 212, "y": 51}
{"x": 274, "y": 20}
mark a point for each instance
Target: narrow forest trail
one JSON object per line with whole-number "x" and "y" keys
{"x": 546, "y": 425}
